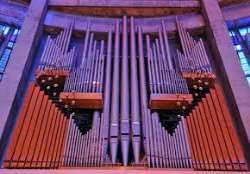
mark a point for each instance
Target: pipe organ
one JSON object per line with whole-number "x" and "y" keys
{"x": 126, "y": 99}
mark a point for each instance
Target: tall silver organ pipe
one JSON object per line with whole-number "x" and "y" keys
{"x": 134, "y": 98}
{"x": 114, "y": 127}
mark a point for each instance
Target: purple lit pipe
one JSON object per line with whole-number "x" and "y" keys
{"x": 85, "y": 62}
{"x": 184, "y": 146}
{"x": 86, "y": 44}
{"x": 90, "y": 67}
{"x": 98, "y": 145}
{"x": 79, "y": 155}
{"x": 115, "y": 98}
{"x": 158, "y": 137}
{"x": 179, "y": 150}
{"x": 165, "y": 147}
{"x": 84, "y": 149}
{"x": 154, "y": 137}
{"x": 164, "y": 64}
{"x": 159, "y": 63}
{"x": 201, "y": 56}
{"x": 107, "y": 96}
{"x": 77, "y": 148}
{"x": 94, "y": 137}
{"x": 143, "y": 95}
{"x": 180, "y": 144}
{"x": 150, "y": 73}
{"x": 69, "y": 36}
{"x": 72, "y": 145}
{"x": 172, "y": 152}
{"x": 102, "y": 62}
{"x": 124, "y": 124}
{"x": 182, "y": 39}
{"x": 160, "y": 142}
{"x": 135, "y": 113}
{"x": 67, "y": 143}
{"x": 150, "y": 139}
{"x": 155, "y": 69}
{"x": 62, "y": 41}
{"x": 94, "y": 63}
{"x": 96, "y": 71}
{"x": 72, "y": 161}
{"x": 168, "y": 53}
{"x": 87, "y": 148}
{"x": 150, "y": 65}
{"x": 98, "y": 78}
{"x": 162, "y": 150}
{"x": 101, "y": 143}
{"x": 172, "y": 143}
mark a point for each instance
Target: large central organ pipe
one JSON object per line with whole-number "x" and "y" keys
{"x": 135, "y": 113}
{"x": 114, "y": 129}
{"x": 125, "y": 126}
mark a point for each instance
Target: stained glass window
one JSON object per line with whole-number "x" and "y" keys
{"x": 238, "y": 36}
{"x": 8, "y": 37}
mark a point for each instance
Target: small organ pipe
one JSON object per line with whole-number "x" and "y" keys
{"x": 85, "y": 62}
{"x": 102, "y": 59}
{"x": 159, "y": 63}
{"x": 89, "y": 67}
{"x": 149, "y": 63}
{"x": 94, "y": 62}
{"x": 155, "y": 69}
{"x": 86, "y": 44}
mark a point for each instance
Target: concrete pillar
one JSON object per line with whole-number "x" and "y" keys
{"x": 13, "y": 82}
{"x": 232, "y": 76}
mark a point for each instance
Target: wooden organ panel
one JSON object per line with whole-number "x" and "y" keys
{"x": 213, "y": 137}
{"x": 37, "y": 140}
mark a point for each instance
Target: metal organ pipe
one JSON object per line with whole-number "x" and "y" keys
{"x": 86, "y": 41}
{"x": 135, "y": 113}
{"x": 107, "y": 95}
{"x": 114, "y": 129}
{"x": 143, "y": 96}
{"x": 124, "y": 124}
{"x": 149, "y": 63}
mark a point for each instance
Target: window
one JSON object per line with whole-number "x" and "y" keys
{"x": 8, "y": 37}
{"x": 241, "y": 49}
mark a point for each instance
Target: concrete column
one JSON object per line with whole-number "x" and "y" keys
{"x": 232, "y": 76}
{"x": 13, "y": 82}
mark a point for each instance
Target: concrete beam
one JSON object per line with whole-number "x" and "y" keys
{"x": 14, "y": 79}
{"x": 14, "y": 14}
{"x": 232, "y": 76}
